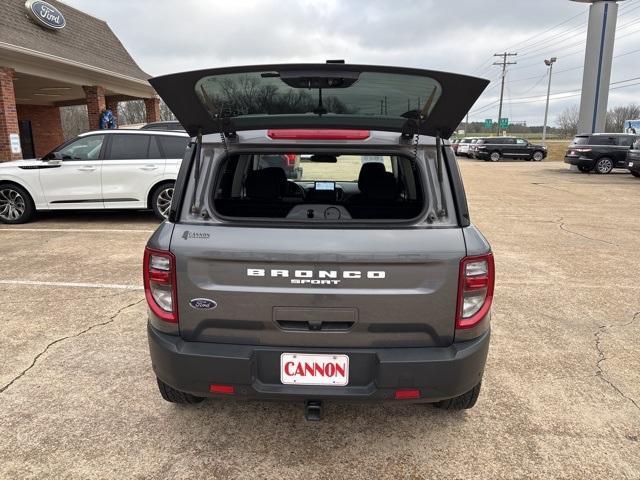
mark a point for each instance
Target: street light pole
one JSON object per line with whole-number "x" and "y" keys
{"x": 549, "y": 63}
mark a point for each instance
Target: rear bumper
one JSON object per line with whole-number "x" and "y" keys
{"x": 374, "y": 374}
{"x": 633, "y": 165}
{"x": 580, "y": 161}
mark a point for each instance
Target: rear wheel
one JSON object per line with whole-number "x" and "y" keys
{"x": 584, "y": 169}
{"x": 16, "y": 205}
{"x": 461, "y": 402}
{"x": 635, "y": 174}
{"x": 537, "y": 156}
{"x": 495, "y": 156}
{"x": 604, "y": 165}
{"x": 172, "y": 395}
{"x": 161, "y": 200}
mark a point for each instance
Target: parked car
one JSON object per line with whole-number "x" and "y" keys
{"x": 600, "y": 152}
{"x": 163, "y": 126}
{"x": 97, "y": 170}
{"x": 288, "y": 162}
{"x": 464, "y": 146}
{"x": 495, "y": 148}
{"x": 315, "y": 289}
{"x": 633, "y": 159}
{"x": 454, "y": 145}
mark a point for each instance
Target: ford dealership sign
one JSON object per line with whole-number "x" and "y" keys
{"x": 45, "y": 14}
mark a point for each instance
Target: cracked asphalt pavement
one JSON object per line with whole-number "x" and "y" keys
{"x": 560, "y": 397}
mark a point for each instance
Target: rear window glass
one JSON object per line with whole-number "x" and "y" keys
{"x": 173, "y": 147}
{"x": 357, "y": 94}
{"x": 580, "y": 140}
{"x": 315, "y": 187}
{"x": 602, "y": 140}
{"x": 129, "y": 147}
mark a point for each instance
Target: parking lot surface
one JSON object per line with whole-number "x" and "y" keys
{"x": 561, "y": 393}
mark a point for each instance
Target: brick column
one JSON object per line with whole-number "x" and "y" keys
{"x": 152, "y": 106}
{"x": 8, "y": 115}
{"x": 95, "y": 104}
{"x": 113, "y": 105}
{"x": 46, "y": 126}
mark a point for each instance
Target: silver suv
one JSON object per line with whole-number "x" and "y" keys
{"x": 362, "y": 280}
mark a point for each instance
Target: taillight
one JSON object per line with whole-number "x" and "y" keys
{"x": 323, "y": 134}
{"x": 160, "y": 284}
{"x": 475, "y": 290}
{"x": 582, "y": 150}
{"x": 291, "y": 159}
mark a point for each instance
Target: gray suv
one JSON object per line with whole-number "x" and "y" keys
{"x": 363, "y": 279}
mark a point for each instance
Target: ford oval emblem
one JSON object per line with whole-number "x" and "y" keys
{"x": 203, "y": 303}
{"x": 45, "y": 14}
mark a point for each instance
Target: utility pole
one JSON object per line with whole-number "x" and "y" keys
{"x": 504, "y": 64}
{"x": 549, "y": 63}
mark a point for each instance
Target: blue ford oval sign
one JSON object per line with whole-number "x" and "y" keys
{"x": 203, "y": 303}
{"x": 45, "y": 14}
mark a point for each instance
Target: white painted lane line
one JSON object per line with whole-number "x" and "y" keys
{"x": 114, "y": 286}
{"x": 76, "y": 230}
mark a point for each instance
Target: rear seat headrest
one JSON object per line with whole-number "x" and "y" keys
{"x": 375, "y": 182}
{"x": 268, "y": 183}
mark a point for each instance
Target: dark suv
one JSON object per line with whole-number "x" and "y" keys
{"x": 633, "y": 159}
{"x": 495, "y": 148}
{"x": 362, "y": 280}
{"x": 600, "y": 152}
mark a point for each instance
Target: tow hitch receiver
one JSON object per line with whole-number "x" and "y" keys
{"x": 313, "y": 410}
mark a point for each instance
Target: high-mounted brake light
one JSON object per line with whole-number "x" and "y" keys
{"x": 323, "y": 134}
{"x": 159, "y": 272}
{"x": 475, "y": 290}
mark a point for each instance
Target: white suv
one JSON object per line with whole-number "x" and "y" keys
{"x": 104, "y": 169}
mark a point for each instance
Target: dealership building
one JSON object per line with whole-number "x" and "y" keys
{"x": 53, "y": 55}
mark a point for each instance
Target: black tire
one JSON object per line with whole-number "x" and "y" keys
{"x": 172, "y": 395}
{"x": 537, "y": 156}
{"x": 584, "y": 169}
{"x": 603, "y": 166}
{"x": 462, "y": 402}
{"x": 635, "y": 174}
{"x": 161, "y": 200}
{"x": 495, "y": 156}
{"x": 16, "y": 205}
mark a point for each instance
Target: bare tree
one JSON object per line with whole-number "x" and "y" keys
{"x": 165, "y": 113}
{"x": 567, "y": 121}
{"x": 131, "y": 112}
{"x": 617, "y": 115}
{"x": 75, "y": 120}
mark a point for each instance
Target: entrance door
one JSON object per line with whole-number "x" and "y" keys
{"x": 26, "y": 139}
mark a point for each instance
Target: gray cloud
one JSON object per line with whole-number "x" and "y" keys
{"x": 454, "y": 35}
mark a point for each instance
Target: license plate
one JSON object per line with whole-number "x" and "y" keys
{"x": 314, "y": 369}
{"x": 631, "y": 164}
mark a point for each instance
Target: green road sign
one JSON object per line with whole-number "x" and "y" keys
{"x": 488, "y": 123}
{"x": 504, "y": 123}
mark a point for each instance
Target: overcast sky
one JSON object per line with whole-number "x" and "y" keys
{"x": 167, "y": 36}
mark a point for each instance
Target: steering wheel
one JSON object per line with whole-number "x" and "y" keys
{"x": 295, "y": 190}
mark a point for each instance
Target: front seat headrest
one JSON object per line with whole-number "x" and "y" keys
{"x": 269, "y": 183}
{"x": 375, "y": 182}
